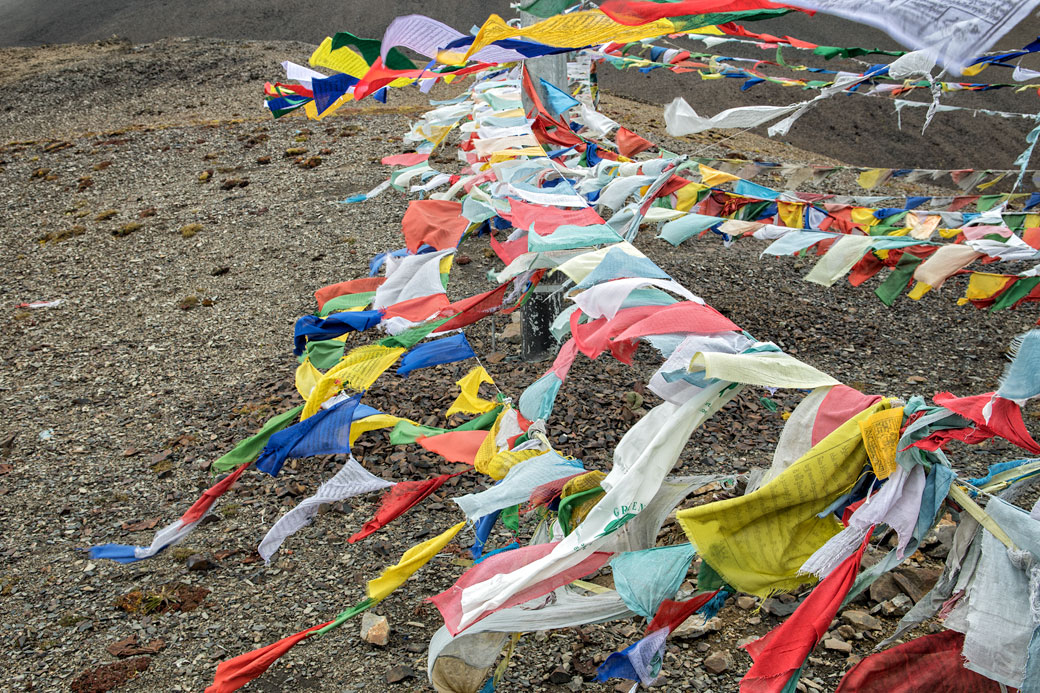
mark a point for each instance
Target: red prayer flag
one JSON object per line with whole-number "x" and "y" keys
{"x": 930, "y": 663}
{"x": 1005, "y": 420}
{"x": 469, "y": 310}
{"x": 449, "y": 602}
{"x": 354, "y": 286}
{"x": 634, "y": 13}
{"x": 408, "y": 159}
{"x": 672, "y": 614}
{"x": 234, "y": 673}
{"x": 401, "y": 498}
{"x": 783, "y": 650}
{"x": 418, "y": 309}
{"x": 455, "y": 446}
{"x": 438, "y": 223}
{"x": 210, "y": 495}
{"x": 839, "y": 405}
{"x": 629, "y": 143}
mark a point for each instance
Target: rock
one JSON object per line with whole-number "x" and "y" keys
{"x": 860, "y": 620}
{"x": 399, "y": 673}
{"x": 916, "y": 582}
{"x": 837, "y": 645}
{"x": 695, "y": 627}
{"x": 846, "y": 632}
{"x": 884, "y": 588}
{"x": 463, "y": 259}
{"x": 897, "y": 606}
{"x": 131, "y": 647}
{"x": 745, "y": 602}
{"x": 718, "y": 662}
{"x": 559, "y": 676}
{"x": 199, "y": 561}
{"x": 375, "y": 629}
{"x": 775, "y": 607}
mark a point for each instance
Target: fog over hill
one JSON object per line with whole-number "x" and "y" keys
{"x": 858, "y": 129}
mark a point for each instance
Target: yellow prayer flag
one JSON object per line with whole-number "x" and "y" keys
{"x": 307, "y": 376}
{"x": 990, "y": 183}
{"x": 488, "y": 449}
{"x": 881, "y": 437}
{"x": 357, "y": 369}
{"x": 341, "y": 60}
{"x": 712, "y": 177}
{"x": 983, "y": 285}
{"x": 469, "y": 400}
{"x": 686, "y": 196}
{"x": 792, "y": 214}
{"x": 413, "y": 559}
{"x": 507, "y": 154}
{"x": 919, "y": 290}
{"x": 575, "y": 29}
{"x": 864, "y": 216}
{"x": 759, "y": 541}
{"x": 374, "y": 423}
{"x": 873, "y": 177}
{"x": 501, "y": 463}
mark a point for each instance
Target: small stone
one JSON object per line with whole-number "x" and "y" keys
{"x": 199, "y": 561}
{"x": 463, "y": 259}
{"x": 745, "y": 602}
{"x": 718, "y": 662}
{"x": 559, "y": 676}
{"x": 399, "y": 673}
{"x": 896, "y": 606}
{"x": 837, "y": 645}
{"x": 847, "y": 632}
{"x": 375, "y": 629}
{"x": 696, "y": 628}
{"x": 861, "y": 620}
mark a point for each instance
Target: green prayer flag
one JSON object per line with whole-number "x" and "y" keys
{"x": 414, "y": 335}
{"x": 1018, "y": 290}
{"x": 896, "y": 282}
{"x": 325, "y": 354}
{"x": 346, "y": 302}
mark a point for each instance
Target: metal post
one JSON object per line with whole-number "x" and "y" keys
{"x": 551, "y": 68}
{"x": 536, "y": 318}
{"x": 546, "y": 301}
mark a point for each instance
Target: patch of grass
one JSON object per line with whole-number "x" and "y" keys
{"x": 107, "y": 214}
{"x": 230, "y": 510}
{"x": 189, "y": 230}
{"x": 188, "y": 302}
{"x": 64, "y": 234}
{"x": 295, "y": 151}
{"x": 69, "y": 620}
{"x": 127, "y": 229}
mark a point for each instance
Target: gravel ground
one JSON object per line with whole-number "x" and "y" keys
{"x": 145, "y": 188}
